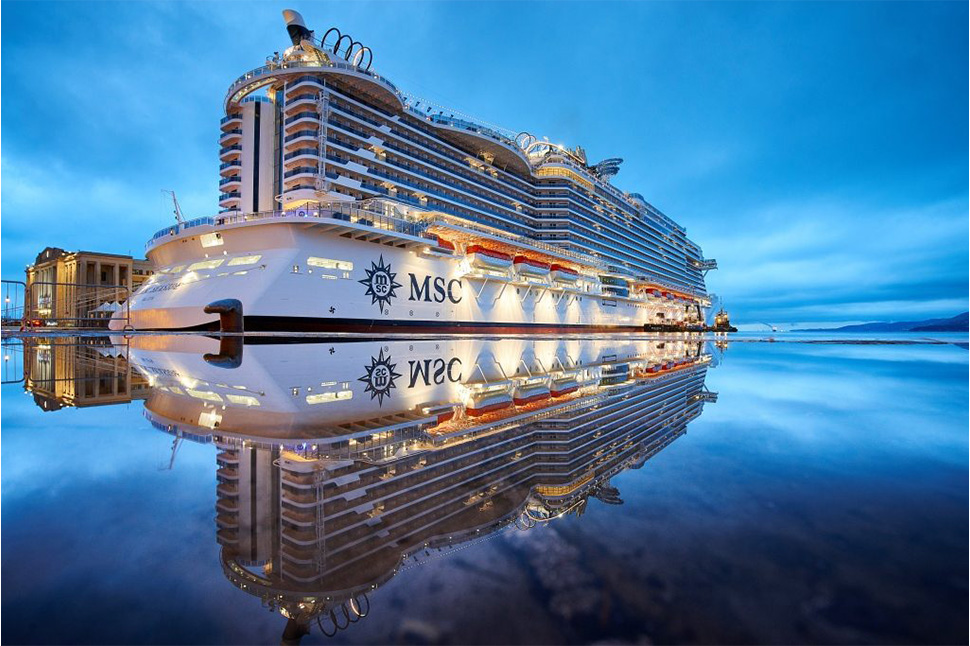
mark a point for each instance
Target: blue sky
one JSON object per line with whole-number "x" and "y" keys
{"x": 816, "y": 150}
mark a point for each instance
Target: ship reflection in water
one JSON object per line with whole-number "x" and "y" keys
{"x": 340, "y": 464}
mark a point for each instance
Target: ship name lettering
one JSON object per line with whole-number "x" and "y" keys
{"x": 436, "y": 371}
{"x": 437, "y": 290}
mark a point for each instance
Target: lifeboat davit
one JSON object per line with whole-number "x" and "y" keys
{"x": 488, "y": 403}
{"x": 529, "y": 267}
{"x": 480, "y": 256}
{"x": 531, "y": 393}
{"x": 564, "y": 274}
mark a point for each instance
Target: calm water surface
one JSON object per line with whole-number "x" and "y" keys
{"x": 469, "y": 491}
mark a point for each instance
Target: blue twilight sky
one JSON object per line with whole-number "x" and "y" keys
{"x": 817, "y": 151}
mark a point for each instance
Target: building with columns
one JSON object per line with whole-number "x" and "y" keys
{"x": 81, "y": 288}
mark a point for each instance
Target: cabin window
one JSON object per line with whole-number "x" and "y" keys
{"x": 211, "y": 239}
{"x": 242, "y": 400}
{"x": 206, "y": 264}
{"x": 324, "y": 398}
{"x": 327, "y": 263}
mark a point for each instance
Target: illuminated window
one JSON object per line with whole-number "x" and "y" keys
{"x": 206, "y": 264}
{"x": 205, "y": 395}
{"x": 244, "y": 260}
{"x": 242, "y": 400}
{"x": 325, "y": 398}
{"x": 211, "y": 239}
{"x": 326, "y": 263}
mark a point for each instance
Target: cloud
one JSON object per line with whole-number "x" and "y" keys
{"x": 835, "y": 260}
{"x": 61, "y": 206}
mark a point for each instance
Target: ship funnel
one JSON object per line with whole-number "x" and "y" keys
{"x": 295, "y": 27}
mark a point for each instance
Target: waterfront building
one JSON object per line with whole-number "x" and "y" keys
{"x": 81, "y": 288}
{"x": 346, "y": 203}
{"x": 74, "y": 372}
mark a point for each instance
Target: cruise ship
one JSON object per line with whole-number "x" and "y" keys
{"x": 348, "y": 204}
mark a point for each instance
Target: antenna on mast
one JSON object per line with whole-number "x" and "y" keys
{"x": 175, "y": 203}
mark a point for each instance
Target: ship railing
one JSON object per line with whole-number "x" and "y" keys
{"x": 374, "y": 213}
{"x": 345, "y": 212}
{"x": 462, "y": 121}
{"x": 273, "y": 68}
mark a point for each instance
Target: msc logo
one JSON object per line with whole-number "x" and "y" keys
{"x": 381, "y": 286}
{"x": 380, "y": 377}
{"x": 380, "y": 283}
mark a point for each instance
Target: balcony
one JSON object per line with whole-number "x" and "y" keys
{"x": 305, "y": 83}
{"x": 231, "y": 120}
{"x": 301, "y": 170}
{"x": 227, "y": 473}
{"x": 307, "y": 116}
{"x": 230, "y": 135}
{"x": 301, "y": 138}
{"x": 227, "y": 537}
{"x": 227, "y": 506}
{"x": 307, "y": 153}
{"x": 230, "y": 151}
{"x": 231, "y": 164}
{"x": 226, "y": 181}
{"x": 305, "y": 100}
{"x": 224, "y": 521}
{"x": 225, "y": 199}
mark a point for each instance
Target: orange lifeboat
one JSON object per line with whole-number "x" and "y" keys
{"x": 562, "y": 387}
{"x": 529, "y": 267}
{"x": 480, "y": 256}
{"x": 488, "y": 403}
{"x": 533, "y": 393}
{"x": 564, "y": 274}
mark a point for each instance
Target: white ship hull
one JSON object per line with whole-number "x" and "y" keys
{"x": 295, "y": 392}
{"x": 317, "y": 274}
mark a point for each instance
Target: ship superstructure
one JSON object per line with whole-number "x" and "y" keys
{"x": 346, "y": 201}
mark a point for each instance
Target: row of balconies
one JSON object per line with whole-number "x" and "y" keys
{"x": 474, "y": 193}
{"x": 611, "y": 194}
{"x": 233, "y": 150}
{"x": 356, "y": 115}
{"x": 230, "y": 140}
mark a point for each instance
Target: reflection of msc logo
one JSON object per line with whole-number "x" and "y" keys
{"x": 380, "y": 377}
{"x": 380, "y": 283}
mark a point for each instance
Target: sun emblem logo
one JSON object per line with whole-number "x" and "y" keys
{"x": 380, "y": 283}
{"x": 380, "y": 377}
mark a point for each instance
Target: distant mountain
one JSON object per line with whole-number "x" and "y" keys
{"x": 958, "y": 323}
